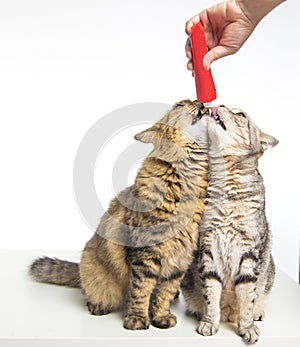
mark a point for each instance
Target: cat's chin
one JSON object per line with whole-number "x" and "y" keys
{"x": 213, "y": 118}
{"x": 214, "y": 129}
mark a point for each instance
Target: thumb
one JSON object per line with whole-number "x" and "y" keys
{"x": 215, "y": 54}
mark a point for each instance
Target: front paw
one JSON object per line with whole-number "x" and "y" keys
{"x": 207, "y": 329}
{"x": 164, "y": 322}
{"x": 250, "y": 334}
{"x": 136, "y": 323}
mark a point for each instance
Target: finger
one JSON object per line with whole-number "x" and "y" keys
{"x": 190, "y": 65}
{"x": 188, "y": 48}
{"x": 215, "y": 54}
{"x": 189, "y": 54}
{"x": 191, "y": 22}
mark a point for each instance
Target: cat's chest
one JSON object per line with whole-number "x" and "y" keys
{"x": 231, "y": 219}
{"x": 175, "y": 261}
{"x": 227, "y": 247}
{"x": 177, "y": 253}
{"x": 228, "y": 231}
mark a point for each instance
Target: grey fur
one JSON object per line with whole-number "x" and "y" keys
{"x": 234, "y": 271}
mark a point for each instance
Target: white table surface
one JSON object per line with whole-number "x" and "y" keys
{"x": 35, "y": 314}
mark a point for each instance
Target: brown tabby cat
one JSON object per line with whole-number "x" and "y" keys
{"x": 146, "y": 239}
{"x": 234, "y": 270}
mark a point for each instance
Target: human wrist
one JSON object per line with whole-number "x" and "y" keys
{"x": 256, "y": 10}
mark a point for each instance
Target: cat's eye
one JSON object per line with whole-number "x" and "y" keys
{"x": 178, "y": 105}
{"x": 241, "y": 114}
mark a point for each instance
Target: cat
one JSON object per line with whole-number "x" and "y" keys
{"x": 145, "y": 241}
{"x": 233, "y": 271}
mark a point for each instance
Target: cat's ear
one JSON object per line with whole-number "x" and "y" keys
{"x": 146, "y": 136}
{"x": 267, "y": 141}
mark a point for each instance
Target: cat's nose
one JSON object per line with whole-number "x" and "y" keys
{"x": 198, "y": 104}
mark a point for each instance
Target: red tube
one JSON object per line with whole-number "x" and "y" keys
{"x": 205, "y": 87}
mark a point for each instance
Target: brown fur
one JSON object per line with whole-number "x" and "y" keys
{"x": 146, "y": 239}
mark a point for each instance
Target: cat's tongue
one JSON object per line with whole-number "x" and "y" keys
{"x": 214, "y": 111}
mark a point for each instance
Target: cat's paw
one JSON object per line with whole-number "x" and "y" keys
{"x": 136, "y": 323}
{"x": 207, "y": 328}
{"x": 98, "y": 309}
{"x": 250, "y": 334}
{"x": 164, "y": 322}
{"x": 258, "y": 316}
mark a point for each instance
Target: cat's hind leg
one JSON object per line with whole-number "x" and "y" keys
{"x": 161, "y": 298}
{"x": 259, "y": 307}
{"x": 104, "y": 288}
{"x": 228, "y": 305}
{"x": 264, "y": 286}
{"x": 192, "y": 291}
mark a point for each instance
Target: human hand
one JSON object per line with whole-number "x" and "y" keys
{"x": 226, "y": 27}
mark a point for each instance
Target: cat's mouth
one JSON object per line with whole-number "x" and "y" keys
{"x": 201, "y": 111}
{"x": 212, "y": 112}
{"x": 215, "y": 115}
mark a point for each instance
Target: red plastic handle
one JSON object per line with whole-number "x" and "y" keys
{"x": 205, "y": 87}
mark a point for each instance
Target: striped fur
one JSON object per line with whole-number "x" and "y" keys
{"x": 146, "y": 239}
{"x": 234, "y": 271}
{"x": 52, "y": 270}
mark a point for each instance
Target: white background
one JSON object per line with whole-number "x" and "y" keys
{"x": 64, "y": 64}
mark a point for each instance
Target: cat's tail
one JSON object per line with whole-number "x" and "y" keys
{"x": 56, "y": 271}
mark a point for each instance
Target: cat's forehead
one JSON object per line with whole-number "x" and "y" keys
{"x": 238, "y": 111}
{"x": 187, "y": 105}
{"x": 181, "y": 112}
{"x": 235, "y": 110}
{"x": 235, "y": 116}
{"x": 183, "y": 103}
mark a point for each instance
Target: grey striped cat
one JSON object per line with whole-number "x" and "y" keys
{"x": 233, "y": 271}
